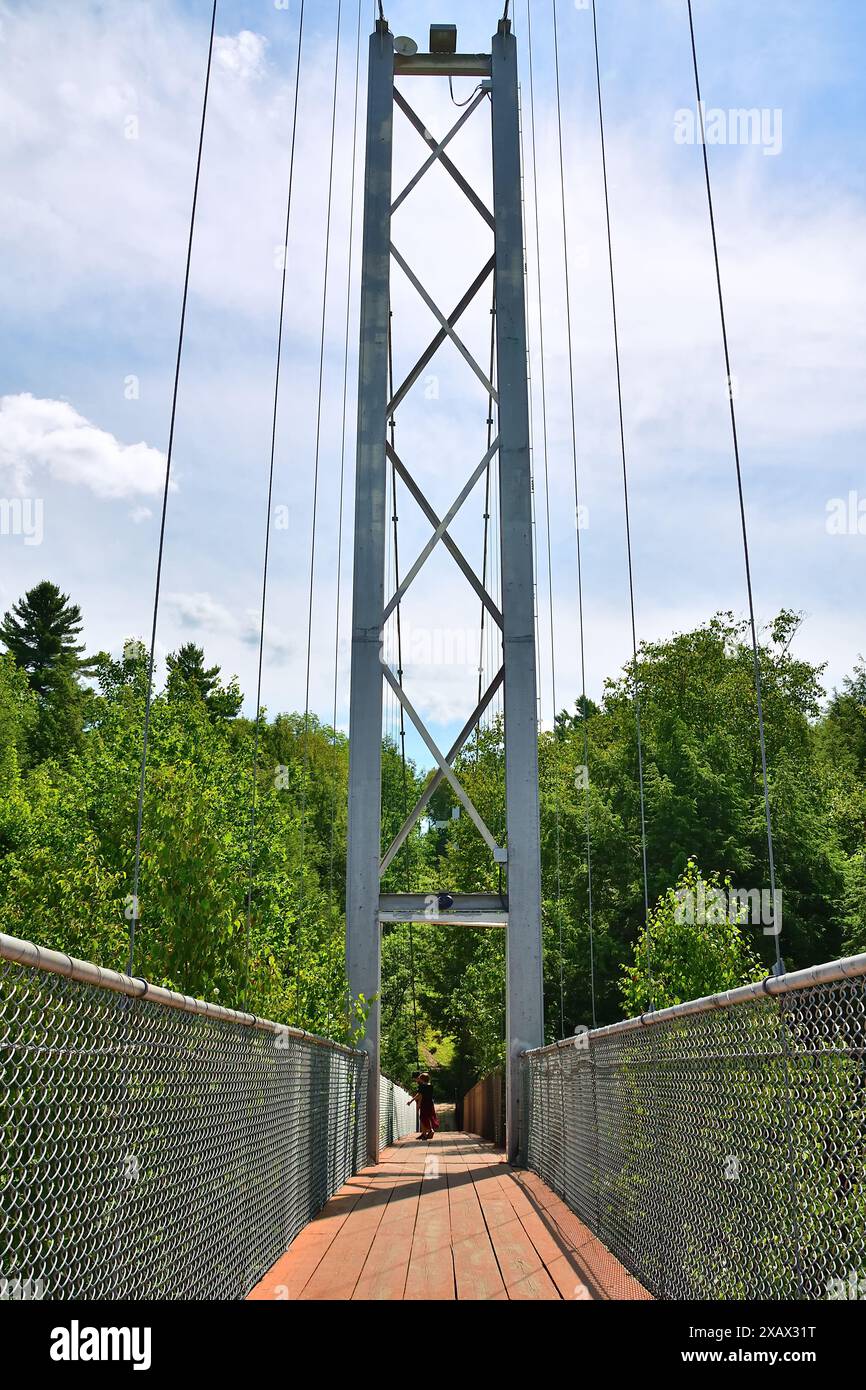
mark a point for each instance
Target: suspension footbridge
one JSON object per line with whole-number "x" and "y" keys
{"x": 161, "y": 1146}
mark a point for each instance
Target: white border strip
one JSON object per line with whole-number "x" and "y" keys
{"x": 86, "y": 973}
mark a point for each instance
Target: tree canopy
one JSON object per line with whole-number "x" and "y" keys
{"x": 252, "y": 916}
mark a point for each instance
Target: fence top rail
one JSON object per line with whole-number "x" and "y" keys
{"x": 845, "y": 969}
{"x": 85, "y": 972}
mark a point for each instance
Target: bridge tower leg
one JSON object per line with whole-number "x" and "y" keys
{"x": 363, "y": 933}
{"x": 365, "y": 908}
{"x": 524, "y": 1025}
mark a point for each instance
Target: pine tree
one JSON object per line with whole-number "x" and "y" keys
{"x": 188, "y": 676}
{"x": 41, "y": 632}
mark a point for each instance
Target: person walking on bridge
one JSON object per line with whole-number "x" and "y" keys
{"x": 416, "y": 1077}
{"x": 426, "y": 1108}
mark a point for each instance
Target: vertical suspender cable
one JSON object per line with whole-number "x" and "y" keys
{"x": 735, "y": 438}
{"x": 343, "y": 422}
{"x": 149, "y": 696}
{"x": 270, "y": 495}
{"x": 315, "y": 505}
{"x": 635, "y": 679}
{"x": 400, "y": 712}
{"x": 547, "y": 515}
{"x": 785, "y": 1038}
{"x": 576, "y": 517}
{"x": 484, "y": 557}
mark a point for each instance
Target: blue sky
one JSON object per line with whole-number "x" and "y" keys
{"x": 93, "y": 228}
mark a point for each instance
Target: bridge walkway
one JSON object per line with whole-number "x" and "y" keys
{"x": 444, "y": 1220}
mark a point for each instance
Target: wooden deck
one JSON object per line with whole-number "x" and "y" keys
{"x": 446, "y": 1220}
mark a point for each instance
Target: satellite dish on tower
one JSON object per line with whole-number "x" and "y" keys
{"x": 405, "y": 46}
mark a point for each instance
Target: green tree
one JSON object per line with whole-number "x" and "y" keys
{"x": 17, "y": 717}
{"x": 189, "y": 678}
{"x": 694, "y": 944}
{"x": 41, "y": 632}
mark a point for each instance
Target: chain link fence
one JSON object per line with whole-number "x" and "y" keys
{"x": 717, "y": 1148}
{"x": 397, "y": 1112}
{"x": 153, "y": 1146}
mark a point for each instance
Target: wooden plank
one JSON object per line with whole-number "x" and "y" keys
{"x": 383, "y": 1276}
{"x": 476, "y": 1271}
{"x": 441, "y": 1221}
{"x": 287, "y": 1279}
{"x": 537, "y": 1286}
{"x": 519, "y": 1261}
{"x": 340, "y": 1268}
{"x": 431, "y": 1264}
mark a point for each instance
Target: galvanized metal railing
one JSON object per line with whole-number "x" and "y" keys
{"x": 154, "y": 1146}
{"x": 718, "y": 1148}
{"x": 396, "y": 1112}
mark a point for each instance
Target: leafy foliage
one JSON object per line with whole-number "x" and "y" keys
{"x": 253, "y": 915}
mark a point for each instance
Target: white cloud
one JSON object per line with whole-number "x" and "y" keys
{"x": 45, "y": 434}
{"x": 94, "y": 227}
{"x": 202, "y": 612}
{"x": 241, "y": 54}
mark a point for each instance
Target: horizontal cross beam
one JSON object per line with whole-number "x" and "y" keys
{"x": 442, "y": 65}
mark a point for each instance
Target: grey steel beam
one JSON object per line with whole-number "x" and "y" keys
{"x": 455, "y": 173}
{"x": 481, "y": 910}
{"x": 489, "y": 388}
{"x": 363, "y": 937}
{"x": 435, "y": 344}
{"x": 420, "y": 903}
{"x": 441, "y": 528}
{"x": 438, "y": 777}
{"x": 483, "y": 921}
{"x": 431, "y": 159}
{"x": 446, "y": 65}
{"x": 499, "y": 854}
{"x": 450, "y": 545}
{"x": 525, "y": 1000}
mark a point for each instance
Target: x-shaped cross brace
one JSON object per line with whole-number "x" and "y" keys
{"x": 440, "y": 527}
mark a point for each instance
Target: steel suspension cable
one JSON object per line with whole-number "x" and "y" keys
{"x": 574, "y": 458}
{"x": 392, "y": 426}
{"x": 145, "y": 736}
{"x": 315, "y": 499}
{"x": 779, "y": 966}
{"x": 490, "y": 423}
{"x": 623, "y": 452}
{"x": 740, "y": 494}
{"x": 270, "y": 497}
{"x": 343, "y": 423}
{"x": 546, "y": 476}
